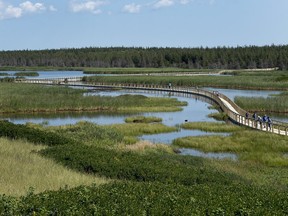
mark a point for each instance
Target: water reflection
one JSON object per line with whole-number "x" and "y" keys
{"x": 167, "y": 138}
{"x": 197, "y": 153}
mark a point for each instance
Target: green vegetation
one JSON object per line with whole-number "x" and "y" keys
{"x": 131, "y": 198}
{"x": 142, "y": 119}
{"x": 7, "y": 79}
{"x": 267, "y": 80}
{"x": 254, "y": 146}
{"x": 4, "y": 74}
{"x": 147, "y": 181}
{"x": 144, "y": 71}
{"x": 26, "y": 74}
{"x": 219, "y": 116}
{"x": 144, "y": 179}
{"x": 211, "y": 127}
{"x": 34, "y": 135}
{"x": 276, "y": 103}
{"x": 21, "y": 167}
{"x": 29, "y": 98}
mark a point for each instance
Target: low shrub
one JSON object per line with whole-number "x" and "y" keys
{"x": 138, "y": 167}
{"x": 130, "y": 198}
{"x": 34, "y": 135}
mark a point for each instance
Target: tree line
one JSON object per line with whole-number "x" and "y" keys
{"x": 248, "y": 57}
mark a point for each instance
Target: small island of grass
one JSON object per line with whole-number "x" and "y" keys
{"x": 31, "y": 73}
{"x": 142, "y": 119}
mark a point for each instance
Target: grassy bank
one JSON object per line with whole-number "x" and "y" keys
{"x": 245, "y": 80}
{"x": 23, "y": 98}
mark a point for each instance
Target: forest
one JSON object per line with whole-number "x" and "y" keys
{"x": 247, "y": 57}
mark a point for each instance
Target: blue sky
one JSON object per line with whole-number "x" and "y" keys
{"x": 152, "y": 23}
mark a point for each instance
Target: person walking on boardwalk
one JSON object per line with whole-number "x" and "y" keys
{"x": 254, "y": 116}
{"x": 269, "y": 122}
{"x": 264, "y": 120}
{"x": 260, "y": 121}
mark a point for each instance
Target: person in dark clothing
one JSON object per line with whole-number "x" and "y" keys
{"x": 269, "y": 122}
{"x": 254, "y": 116}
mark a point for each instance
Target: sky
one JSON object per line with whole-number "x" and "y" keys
{"x": 56, "y": 24}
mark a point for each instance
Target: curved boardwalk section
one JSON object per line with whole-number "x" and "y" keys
{"x": 234, "y": 112}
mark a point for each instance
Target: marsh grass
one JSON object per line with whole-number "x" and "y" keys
{"x": 87, "y": 133}
{"x": 31, "y": 73}
{"x": 219, "y": 116}
{"x": 242, "y": 81}
{"x": 21, "y": 167}
{"x": 23, "y": 98}
{"x": 148, "y": 147}
{"x": 137, "y": 129}
{"x": 211, "y": 127}
{"x": 258, "y": 174}
{"x": 274, "y": 103}
{"x": 143, "y": 119}
{"x": 145, "y": 71}
{"x": 254, "y": 146}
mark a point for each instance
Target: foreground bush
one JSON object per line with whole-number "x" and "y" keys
{"x": 130, "y": 198}
{"x": 138, "y": 167}
{"x": 14, "y": 131}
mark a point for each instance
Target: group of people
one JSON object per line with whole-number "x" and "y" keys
{"x": 264, "y": 119}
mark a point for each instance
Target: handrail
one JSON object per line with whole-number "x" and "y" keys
{"x": 233, "y": 111}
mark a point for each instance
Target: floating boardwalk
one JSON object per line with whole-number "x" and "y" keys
{"x": 234, "y": 112}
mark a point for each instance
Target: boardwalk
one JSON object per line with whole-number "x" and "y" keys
{"x": 234, "y": 112}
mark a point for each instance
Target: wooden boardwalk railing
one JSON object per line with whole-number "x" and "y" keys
{"x": 234, "y": 112}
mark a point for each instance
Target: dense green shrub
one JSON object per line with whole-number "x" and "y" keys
{"x": 7, "y": 79}
{"x": 131, "y": 198}
{"x": 139, "y": 167}
{"x": 15, "y": 131}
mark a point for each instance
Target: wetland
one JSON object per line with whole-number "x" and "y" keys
{"x": 99, "y": 141}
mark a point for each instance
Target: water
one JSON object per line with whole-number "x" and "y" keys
{"x": 167, "y": 138}
{"x": 232, "y": 93}
{"x": 196, "y": 153}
